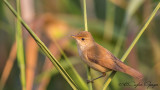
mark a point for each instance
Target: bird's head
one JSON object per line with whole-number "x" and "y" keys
{"x": 84, "y": 39}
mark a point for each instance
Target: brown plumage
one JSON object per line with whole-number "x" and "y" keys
{"x": 100, "y": 58}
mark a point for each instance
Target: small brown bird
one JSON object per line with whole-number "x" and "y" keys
{"x": 99, "y": 58}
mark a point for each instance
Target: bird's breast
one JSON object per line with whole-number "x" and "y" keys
{"x": 80, "y": 52}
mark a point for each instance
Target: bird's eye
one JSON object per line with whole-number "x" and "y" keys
{"x": 82, "y": 39}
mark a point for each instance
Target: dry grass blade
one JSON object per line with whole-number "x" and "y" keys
{"x": 31, "y": 61}
{"x": 8, "y": 66}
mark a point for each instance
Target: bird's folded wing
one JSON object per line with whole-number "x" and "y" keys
{"x": 103, "y": 57}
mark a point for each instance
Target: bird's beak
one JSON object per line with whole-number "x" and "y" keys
{"x": 73, "y": 36}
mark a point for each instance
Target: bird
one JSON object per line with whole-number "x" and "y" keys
{"x": 99, "y": 58}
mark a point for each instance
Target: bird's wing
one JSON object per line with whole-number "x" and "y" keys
{"x": 103, "y": 57}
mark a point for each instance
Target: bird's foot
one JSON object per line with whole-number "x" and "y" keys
{"x": 89, "y": 81}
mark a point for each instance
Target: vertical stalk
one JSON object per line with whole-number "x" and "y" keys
{"x": 20, "y": 51}
{"x": 89, "y": 77}
{"x": 86, "y": 29}
{"x": 85, "y": 15}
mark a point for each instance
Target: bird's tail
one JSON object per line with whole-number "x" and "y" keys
{"x": 132, "y": 72}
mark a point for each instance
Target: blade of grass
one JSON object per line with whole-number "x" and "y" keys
{"x": 31, "y": 52}
{"x": 132, "y": 45}
{"x": 78, "y": 80}
{"x": 86, "y": 29}
{"x": 53, "y": 71}
{"x": 44, "y": 49}
{"x": 20, "y": 51}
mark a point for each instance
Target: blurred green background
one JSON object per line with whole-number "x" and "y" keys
{"x": 113, "y": 23}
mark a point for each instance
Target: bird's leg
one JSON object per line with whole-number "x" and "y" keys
{"x": 103, "y": 74}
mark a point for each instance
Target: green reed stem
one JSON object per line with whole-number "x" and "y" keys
{"x": 132, "y": 45}
{"x": 44, "y": 49}
{"x": 85, "y": 15}
{"x": 89, "y": 77}
{"x": 20, "y": 51}
{"x": 86, "y": 29}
